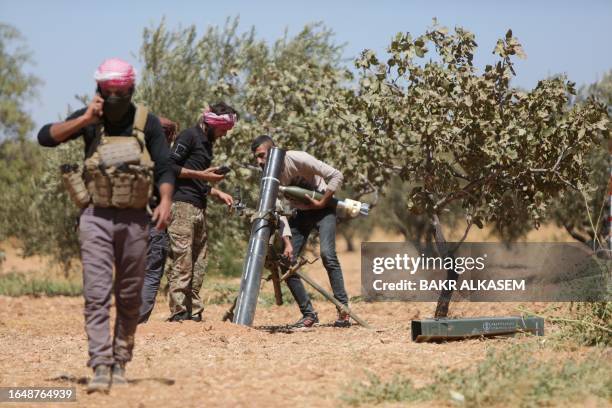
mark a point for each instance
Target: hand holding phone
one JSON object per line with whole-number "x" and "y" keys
{"x": 95, "y": 110}
{"x": 223, "y": 170}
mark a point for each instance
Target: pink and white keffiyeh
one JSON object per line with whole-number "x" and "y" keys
{"x": 115, "y": 72}
{"x": 223, "y": 122}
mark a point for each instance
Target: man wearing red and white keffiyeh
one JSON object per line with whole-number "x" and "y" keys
{"x": 113, "y": 240}
{"x": 191, "y": 158}
{"x": 221, "y": 122}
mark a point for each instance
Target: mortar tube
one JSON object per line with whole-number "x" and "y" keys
{"x": 261, "y": 230}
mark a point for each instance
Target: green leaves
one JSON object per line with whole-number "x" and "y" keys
{"x": 468, "y": 137}
{"x": 16, "y": 87}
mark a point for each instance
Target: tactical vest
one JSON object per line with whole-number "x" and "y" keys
{"x": 118, "y": 174}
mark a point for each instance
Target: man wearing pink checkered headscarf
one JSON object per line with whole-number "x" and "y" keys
{"x": 115, "y": 72}
{"x": 191, "y": 159}
{"x": 115, "y": 79}
{"x": 112, "y": 237}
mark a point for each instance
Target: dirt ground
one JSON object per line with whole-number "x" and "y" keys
{"x": 42, "y": 343}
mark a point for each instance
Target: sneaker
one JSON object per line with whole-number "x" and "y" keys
{"x": 343, "y": 320}
{"x": 118, "y": 374}
{"x": 197, "y": 317}
{"x": 101, "y": 380}
{"x": 179, "y": 317}
{"x": 306, "y": 322}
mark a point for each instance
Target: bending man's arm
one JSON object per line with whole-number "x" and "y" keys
{"x": 286, "y": 236}
{"x": 332, "y": 177}
{"x": 323, "y": 202}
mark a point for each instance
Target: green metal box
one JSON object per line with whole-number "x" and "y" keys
{"x": 452, "y": 329}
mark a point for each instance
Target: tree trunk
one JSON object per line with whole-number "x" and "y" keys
{"x": 350, "y": 246}
{"x": 442, "y": 249}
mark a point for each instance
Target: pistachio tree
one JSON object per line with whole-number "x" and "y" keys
{"x": 583, "y": 213}
{"x": 17, "y": 86}
{"x": 463, "y": 136}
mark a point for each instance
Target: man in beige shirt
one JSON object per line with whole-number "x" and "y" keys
{"x": 303, "y": 170}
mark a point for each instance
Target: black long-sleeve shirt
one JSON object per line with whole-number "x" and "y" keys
{"x": 154, "y": 139}
{"x": 192, "y": 150}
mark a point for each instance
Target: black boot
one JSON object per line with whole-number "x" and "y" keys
{"x": 179, "y": 317}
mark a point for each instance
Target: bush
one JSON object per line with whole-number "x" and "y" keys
{"x": 590, "y": 324}
{"x": 16, "y": 284}
{"x": 509, "y": 378}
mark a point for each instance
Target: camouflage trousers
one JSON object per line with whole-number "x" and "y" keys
{"x": 188, "y": 242}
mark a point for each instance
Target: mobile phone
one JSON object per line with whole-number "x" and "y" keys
{"x": 223, "y": 169}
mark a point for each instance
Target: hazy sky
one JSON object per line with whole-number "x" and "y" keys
{"x": 69, "y": 39}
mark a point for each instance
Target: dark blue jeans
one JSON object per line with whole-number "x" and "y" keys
{"x": 302, "y": 224}
{"x": 157, "y": 251}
